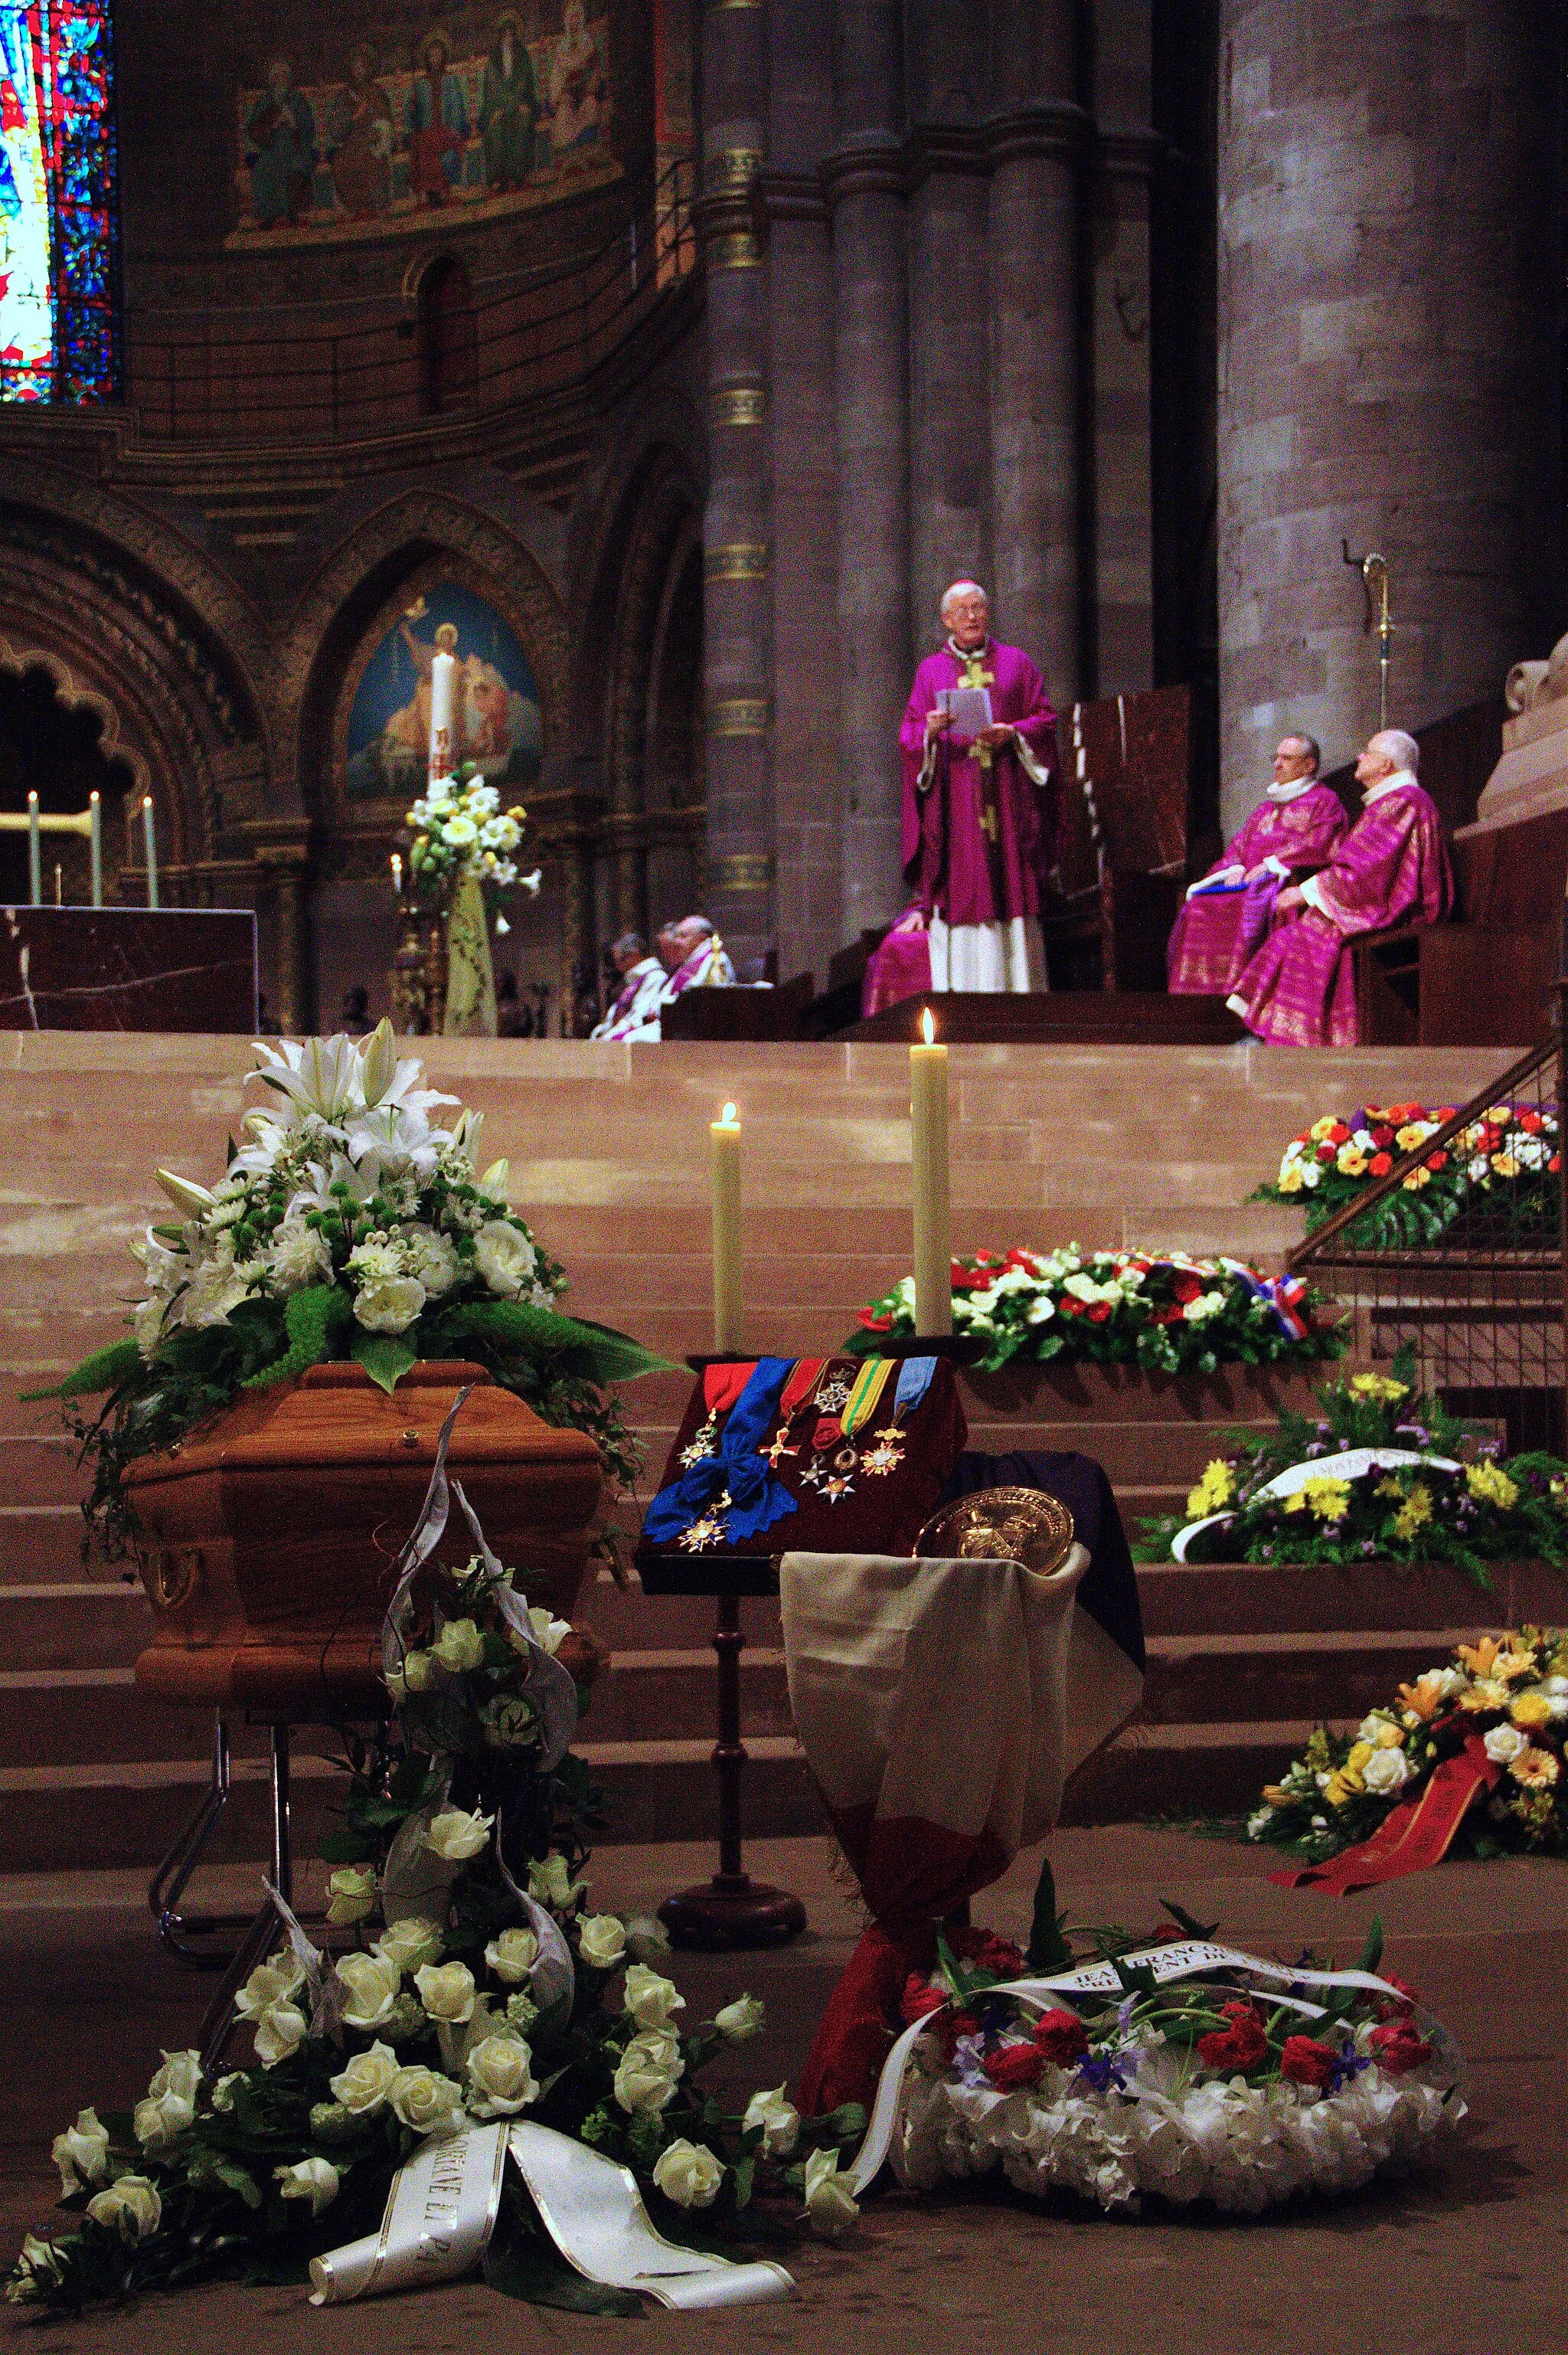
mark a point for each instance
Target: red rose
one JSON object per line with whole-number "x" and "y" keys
{"x": 989, "y": 1953}
{"x": 1014, "y": 2066}
{"x": 1100, "y": 1313}
{"x": 881, "y": 1324}
{"x": 919, "y": 2000}
{"x": 1328, "y": 1153}
{"x": 1241, "y": 2046}
{"x": 1059, "y": 2037}
{"x": 1068, "y": 1307}
{"x": 1306, "y": 2062}
{"x": 1380, "y": 1164}
{"x": 1437, "y": 1161}
{"x": 962, "y": 1280}
{"x": 1532, "y": 1123}
{"x": 1187, "y": 1287}
{"x": 1398, "y": 2048}
{"x": 1398, "y": 2006}
{"x": 1382, "y": 1137}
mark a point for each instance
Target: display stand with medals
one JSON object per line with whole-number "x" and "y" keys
{"x": 815, "y": 1454}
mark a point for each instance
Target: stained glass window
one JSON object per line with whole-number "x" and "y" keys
{"x": 59, "y": 323}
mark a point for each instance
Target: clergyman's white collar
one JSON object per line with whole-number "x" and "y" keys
{"x": 1401, "y": 778}
{"x": 1292, "y": 792}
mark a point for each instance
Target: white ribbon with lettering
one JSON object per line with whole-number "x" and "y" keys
{"x": 442, "y": 2207}
{"x": 1179, "y": 1960}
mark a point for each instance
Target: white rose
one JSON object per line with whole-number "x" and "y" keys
{"x": 1385, "y": 1771}
{"x": 652, "y": 2000}
{"x": 602, "y": 1940}
{"x": 298, "y": 1255}
{"x": 779, "y": 2119}
{"x": 446, "y": 1990}
{"x": 223, "y": 2091}
{"x": 272, "y": 1981}
{"x": 504, "y": 1257}
{"x": 512, "y": 1955}
{"x": 1370, "y": 1730}
{"x": 646, "y": 1937}
{"x": 458, "y": 1647}
{"x": 550, "y": 1884}
{"x": 549, "y": 1632}
{"x": 39, "y": 2261}
{"x": 1504, "y": 1743}
{"x": 829, "y": 2201}
{"x": 500, "y": 2080}
{"x": 169, "y": 2109}
{"x": 81, "y": 2153}
{"x": 411, "y": 1942}
{"x": 391, "y": 1305}
{"x": 351, "y": 1894}
{"x": 364, "y": 2085}
{"x": 689, "y": 2174}
{"x": 430, "y": 2102}
{"x": 314, "y": 2179}
{"x": 1207, "y": 1304}
{"x": 414, "y": 1674}
{"x": 131, "y": 2206}
{"x": 430, "y": 1256}
{"x": 372, "y": 1981}
{"x": 282, "y": 2029}
{"x": 739, "y": 2020}
{"x": 649, "y": 2071}
{"x": 458, "y": 1836}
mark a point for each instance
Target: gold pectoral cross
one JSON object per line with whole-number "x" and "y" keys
{"x": 988, "y": 822}
{"x": 974, "y": 676}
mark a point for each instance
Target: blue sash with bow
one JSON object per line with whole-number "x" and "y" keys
{"x": 756, "y": 1499}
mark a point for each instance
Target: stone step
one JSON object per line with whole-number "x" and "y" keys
{"x": 1248, "y": 1599}
{"x": 73, "y": 1625}
{"x": 1203, "y": 1679}
{"x": 1180, "y": 1772}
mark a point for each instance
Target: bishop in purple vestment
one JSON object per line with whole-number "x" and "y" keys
{"x": 981, "y": 812}
{"x": 1227, "y": 914}
{"x": 1392, "y": 867}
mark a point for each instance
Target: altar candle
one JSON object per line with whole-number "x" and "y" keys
{"x": 35, "y": 853}
{"x": 928, "y": 1141}
{"x": 60, "y": 885}
{"x": 398, "y": 874}
{"x": 150, "y": 839}
{"x": 95, "y": 840}
{"x": 725, "y": 1135}
{"x": 443, "y": 676}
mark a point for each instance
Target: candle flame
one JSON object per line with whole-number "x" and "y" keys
{"x": 146, "y": 800}
{"x": 728, "y": 1115}
{"x": 928, "y": 1026}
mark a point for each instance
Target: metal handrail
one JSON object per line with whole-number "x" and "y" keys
{"x": 1350, "y": 1213}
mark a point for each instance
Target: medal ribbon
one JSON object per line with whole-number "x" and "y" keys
{"x": 800, "y": 1384}
{"x": 915, "y": 1376}
{"x": 722, "y": 1385}
{"x": 870, "y": 1383}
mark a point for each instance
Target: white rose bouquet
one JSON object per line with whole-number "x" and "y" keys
{"x": 346, "y": 1225}
{"x": 458, "y": 831}
{"x": 501, "y": 1997}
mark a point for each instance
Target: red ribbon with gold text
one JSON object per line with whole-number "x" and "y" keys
{"x": 1411, "y": 1836}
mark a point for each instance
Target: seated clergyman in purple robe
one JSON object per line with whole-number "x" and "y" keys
{"x": 1392, "y": 867}
{"x": 981, "y": 808}
{"x": 1228, "y": 912}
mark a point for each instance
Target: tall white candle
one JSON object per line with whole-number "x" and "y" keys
{"x": 35, "y": 853}
{"x": 96, "y": 846}
{"x": 398, "y": 874}
{"x": 150, "y": 839}
{"x": 443, "y": 688}
{"x": 725, "y": 1133}
{"x": 928, "y": 1173}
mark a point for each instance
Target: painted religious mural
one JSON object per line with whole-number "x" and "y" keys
{"x": 497, "y": 711}
{"x": 517, "y": 113}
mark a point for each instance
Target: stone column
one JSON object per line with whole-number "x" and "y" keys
{"x": 864, "y": 180}
{"x": 1387, "y": 317}
{"x": 736, "y": 541}
{"x": 950, "y": 418}
{"x": 1035, "y": 138}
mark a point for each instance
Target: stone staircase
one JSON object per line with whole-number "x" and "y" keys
{"x": 608, "y": 1147}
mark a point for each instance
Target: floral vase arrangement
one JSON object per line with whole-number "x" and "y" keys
{"x": 1185, "y": 2070}
{"x": 1509, "y": 1158}
{"x": 1161, "y": 1311}
{"x": 346, "y": 1226}
{"x": 1379, "y": 1474}
{"x": 461, "y": 857}
{"x": 475, "y": 1988}
{"x": 1500, "y": 1703}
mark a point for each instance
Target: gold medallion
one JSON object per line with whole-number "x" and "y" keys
{"x": 1022, "y": 1525}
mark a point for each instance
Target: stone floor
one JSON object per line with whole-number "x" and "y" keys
{"x": 1465, "y": 2262}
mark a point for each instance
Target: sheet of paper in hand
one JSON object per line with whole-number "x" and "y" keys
{"x": 968, "y": 707}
